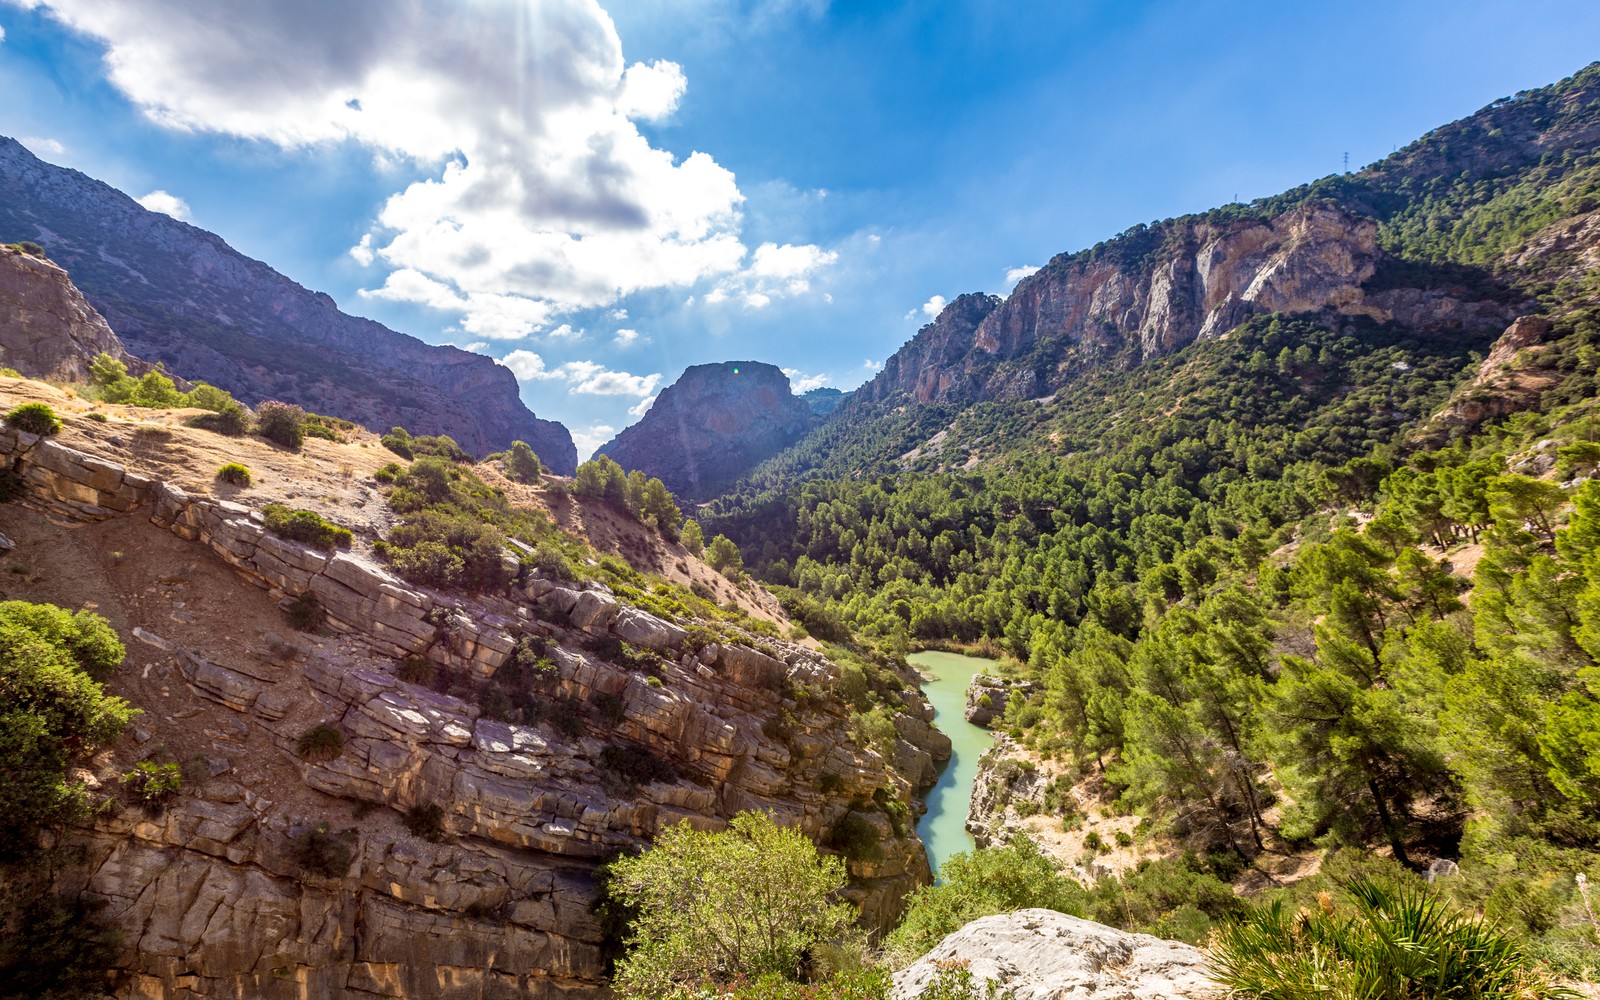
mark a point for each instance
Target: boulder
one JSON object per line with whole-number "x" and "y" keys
{"x": 1045, "y": 955}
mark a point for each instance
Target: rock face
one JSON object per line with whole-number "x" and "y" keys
{"x": 987, "y": 697}
{"x": 47, "y": 330}
{"x": 1156, "y": 290}
{"x": 211, "y": 897}
{"x": 1045, "y": 955}
{"x": 180, "y": 295}
{"x": 713, "y": 425}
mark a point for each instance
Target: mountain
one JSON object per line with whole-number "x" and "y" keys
{"x": 47, "y": 329}
{"x": 180, "y": 295}
{"x": 712, "y": 426}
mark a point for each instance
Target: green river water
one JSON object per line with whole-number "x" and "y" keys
{"x": 943, "y": 828}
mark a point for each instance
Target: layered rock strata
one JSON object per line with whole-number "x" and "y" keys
{"x": 212, "y": 897}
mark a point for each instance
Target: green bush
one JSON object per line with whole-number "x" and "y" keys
{"x": 425, "y": 820}
{"x": 982, "y": 883}
{"x": 445, "y": 549}
{"x": 320, "y": 851}
{"x": 35, "y": 418}
{"x": 399, "y": 442}
{"x": 153, "y": 785}
{"x": 281, "y": 423}
{"x": 417, "y": 670}
{"x": 30, "y": 248}
{"x": 320, "y": 742}
{"x": 306, "y": 613}
{"x": 522, "y": 465}
{"x": 53, "y": 714}
{"x": 231, "y": 421}
{"x": 636, "y": 765}
{"x": 234, "y": 474}
{"x": 1385, "y": 940}
{"x": 854, "y": 836}
{"x": 306, "y": 526}
{"x": 208, "y": 397}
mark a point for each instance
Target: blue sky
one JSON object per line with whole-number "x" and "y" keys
{"x": 602, "y": 197}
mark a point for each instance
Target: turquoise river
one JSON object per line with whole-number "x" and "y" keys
{"x": 943, "y": 828}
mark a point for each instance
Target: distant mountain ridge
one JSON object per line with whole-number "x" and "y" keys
{"x": 1427, "y": 241}
{"x": 713, "y": 425}
{"x": 180, "y": 295}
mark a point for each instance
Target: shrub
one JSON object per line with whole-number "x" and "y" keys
{"x": 425, "y": 820}
{"x": 320, "y": 742}
{"x": 306, "y": 613}
{"x": 1389, "y": 940}
{"x": 723, "y": 556}
{"x": 234, "y": 474}
{"x": 281, "y": 423}
{"x": 306, "y": 526}
{"x": 230, "y": 421}
{"x": 30, "y": 248}
{"x": 417, "y": 670}
{"x": 153, "y": 785}
{"x": 752, "y": 900}
{"x": 636, "y": 765}
{"x": 320, "y": 851}
{"x": 34, "y": 418}
{"x": 209, "y": 397}
{"x": 55, "y": 713}
{"x": 522, "y": 465}
{"x": 982, "y": 883}
{"x": 854, "y": 836}
{"x": 399, "y": 442}
{"x": 448, "y": 549}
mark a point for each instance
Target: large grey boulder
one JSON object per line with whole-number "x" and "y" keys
{"x": 1045, "y": 955}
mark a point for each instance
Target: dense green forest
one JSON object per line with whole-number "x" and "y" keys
{"x": 1264, "y": 595}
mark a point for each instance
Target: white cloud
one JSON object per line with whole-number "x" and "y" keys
{"x": 565, "y": 331}
{"x": 583, "y": 378}
{"x": 872, "y": 365}
{"x": 642, "y": 407}
{"x": 43, "y": 145}
{"x": 773, "y": 272}
{"x": 619, "y": 315}
{"x": 800, "y": 382}
{"x": 540, "y": 196}
{"x": 475, "y": 346}
{"x": 166, "y": 204}
{"x": 930, "y": 308}
{"x": 628, "y": 338}
{"x": 1016, "y": 274}
{"x": 591, "y": 438}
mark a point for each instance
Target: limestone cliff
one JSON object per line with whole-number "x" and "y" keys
{"x": 179, "y": 295}
{"x": 47, "y": 330}
{"x": 1150, "y": 293}
{"x": 714, "y": 424}
{"x": 470, "y": 845}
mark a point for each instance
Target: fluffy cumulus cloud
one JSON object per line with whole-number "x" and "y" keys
{"x": 930, "y": 309}
{"x": 584, "y": 378}
{"x": 166, "y": 204}
{"x": 589, "y": 438}
{"x": 628, "y": 338}
{"x": 639, "y": 409}
{"x": 800, "y": 382}
{"x": 773, "y": 272}
{"x": 1016, "y": 274}
{"x": 539, "y": 195}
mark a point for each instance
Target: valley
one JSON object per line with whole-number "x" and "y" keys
{"x": 1270, "y": 534}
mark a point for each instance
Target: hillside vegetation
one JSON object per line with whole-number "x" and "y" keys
{"x": 1268, "y": 599}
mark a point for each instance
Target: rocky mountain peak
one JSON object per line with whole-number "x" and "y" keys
{"x": 47, "y": 329}
{"x": 712, "y": 425}
{"x": 180, "y": 295}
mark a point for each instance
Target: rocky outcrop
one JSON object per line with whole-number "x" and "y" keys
{"x": 713, "y": 425}
{"x": 1045, "y": 955}
{"x": 47, "y": 330}
{"x": 1511, "y": 378}
{"x": 987, "y": 697}
{"x": 1153, "y": 291}
{"x": 644, "y": 723}
{"x": 182, "y": 296}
